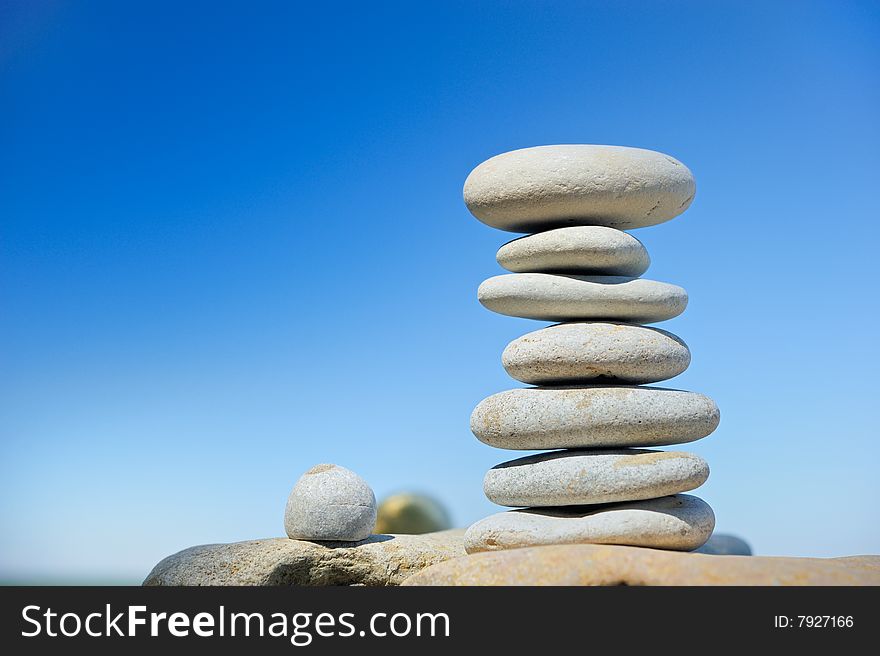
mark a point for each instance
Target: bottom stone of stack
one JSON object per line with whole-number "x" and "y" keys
{"x": 680, "y": 522}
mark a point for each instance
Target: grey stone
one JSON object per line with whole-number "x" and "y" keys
{"x": 592, "y": 417}
{"x": 553, "y": 297}
{"x": 586, "y": 250}
{"x": 720, "y": 544}
{"x": 583, "y": 477}
{"x": 330, "y": 502}
{"x": 681, "y": 522}
{"x": 380, "y": 560}
{"x": 584, "y": 352}
{"x": 545, "y": 187}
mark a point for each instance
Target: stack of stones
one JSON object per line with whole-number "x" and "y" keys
{"x": 590, "y": 401}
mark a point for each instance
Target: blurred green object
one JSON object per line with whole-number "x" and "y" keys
{"x": 411, "y": 514}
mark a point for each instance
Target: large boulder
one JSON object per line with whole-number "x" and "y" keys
{"x": 380, "y": 560}
{"x": 586, "y": 564}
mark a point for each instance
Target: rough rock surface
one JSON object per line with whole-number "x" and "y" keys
{"x": 613, "y": 565}
{"x": 380, "y": 560}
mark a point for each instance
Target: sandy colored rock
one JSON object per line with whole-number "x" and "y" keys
{"x": 380, "y": 560}
{"x": 545, "y": 187}
{"x": 614, "y": 565}
{"x": 580, "y": 477}
{"x": 556, "y": 297}
{"x": 681, "y": 522}
{"x": 592, "y": 417}
{"x": 585, "y": 250}
{"x": 411, "y": 513}
{"x": 330, "y": 502}
{"x": 589, "y": 351}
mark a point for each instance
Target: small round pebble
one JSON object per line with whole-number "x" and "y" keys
{"x": 411, "y": 513}
{"x": 721, "y": 544}
{"x": 330, "y": 502}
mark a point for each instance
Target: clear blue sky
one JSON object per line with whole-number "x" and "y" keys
{"x": 234, "y": 246}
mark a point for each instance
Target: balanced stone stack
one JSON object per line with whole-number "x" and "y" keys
{"x": 590, "y": 399}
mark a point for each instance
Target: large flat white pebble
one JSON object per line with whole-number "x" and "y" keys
{"x": 552, "y": 297}
{"x": 592, "y": 417}
{"x": 545, "y": 187}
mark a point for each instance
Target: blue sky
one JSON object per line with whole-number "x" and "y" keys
{"x": 234, "y": 246}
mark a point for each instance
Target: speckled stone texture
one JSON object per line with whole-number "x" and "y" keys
{"x": 589, "y": 351}
{"x": 556, "y": 297}
{"x": 586, "y": 564}
{"x": 545, "y": 187}
{"x": 586, "y": 250}
{"x": 681, "y": 522}
{"x": 592, "y": 417}
{"x": 330, "y": 502}
{"x": 380, "y": 560}
{"x": 579, "y": 477}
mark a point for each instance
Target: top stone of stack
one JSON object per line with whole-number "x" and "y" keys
{"x": 547, "y": 187}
